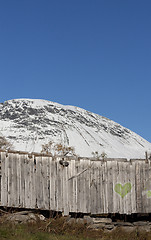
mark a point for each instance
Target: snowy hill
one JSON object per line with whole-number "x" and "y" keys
{"x": 29, "y": 123}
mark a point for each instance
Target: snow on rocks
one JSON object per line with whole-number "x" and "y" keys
{"x": 30, "y": 123}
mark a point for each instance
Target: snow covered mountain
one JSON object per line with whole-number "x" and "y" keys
{"x": 29, "y": 123}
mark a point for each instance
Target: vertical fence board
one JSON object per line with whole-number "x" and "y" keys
{"x": 52, "y": 185}
{"x": 47, "y": 202}
{"x": 110, "y": 186}
{"x": 16, "y": 164}
{"x": 44, "y": 184}
{"x": 87, "y": 186}
{"x": 138, "y": 187}
{"x": 106, "y": 187}
{"x": 147, "y": 187}
{"x": 115, "y": 170}
{"x": 3, "y": 180}
{"x": 33, "y": 181}
{"x": 100, "y": 193}
{"x": 103, "y": 188}
{"x": 82, "y": 185}
{"x": 9, "y": 169}
{"x": 70, "y": 185}
{"x": 27, "y": 182}
{"x": 128, "y": 196}
{"x": 19, "y": 180}
{"x": 78, "y": 190}
{"x": 74, "y": 186}
{"x": 133, "y": 183}
{"x": 21, "y": 190}
{"x": 92, "y": 189}
{"x": 0, "y": 178}
{"x": 66, "y": 191}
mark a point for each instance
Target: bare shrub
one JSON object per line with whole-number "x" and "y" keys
{"x": 57, "y": 149}
{"x": 47, "y": 148}
{"x": 98, "y": 156}
{"x": 4, "y": 144}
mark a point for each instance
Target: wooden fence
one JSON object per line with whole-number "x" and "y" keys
{"x": 85, "y": 185}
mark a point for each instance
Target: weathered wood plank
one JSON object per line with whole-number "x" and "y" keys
{"x": 87, "y": 186}
{"x": 78, "y": 191}
{"x": 103, "y": 188}
{"x": 147, "y": 187}
{"x": 110, "y": 186}
{"x": 9, "y": 182}
{"x": 47, "y": 187}
{"x": 4, "y": 159}
{"x": 82, "y": 185}
{"x": 120, "y": 164}
{"x": 66, "y": 192}
{"x": 133, "y": 183}
{"x": 53, "y": 166}
{"x": 128, "y": 196}
{"x": 27, "y": 181}
{"x": 39, "y": 192}
{"x": 138, "y": 187}
{"x": 92, "y": 189}
{"x": 16, "y": 164}
{"x": 100, "y": 193}
{"x": 115, "y": 170}
{"x": 44, "y": 186}
{"x": 106, "y": 188}
{"x": 70, "y": 185}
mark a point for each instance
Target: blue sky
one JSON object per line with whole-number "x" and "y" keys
{"x": 95, "y": 54}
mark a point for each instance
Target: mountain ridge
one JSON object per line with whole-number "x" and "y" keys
{"x": 29, "y": 123}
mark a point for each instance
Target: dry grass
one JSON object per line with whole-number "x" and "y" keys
{"x": 58, "y": 229}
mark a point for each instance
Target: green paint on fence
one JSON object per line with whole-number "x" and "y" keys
{"x": 123, "y": 190}
{"x": 149, "y": 194}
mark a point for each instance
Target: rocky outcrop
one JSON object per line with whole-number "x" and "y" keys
{"x": 22, "y": 217}
{"x": 99, "y": 223}
{"x": 107, "y": 224}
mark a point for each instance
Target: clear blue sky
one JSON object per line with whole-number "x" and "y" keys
{"x": 95, "y": 54}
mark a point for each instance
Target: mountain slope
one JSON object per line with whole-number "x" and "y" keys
{"x": 29, "y": 123}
